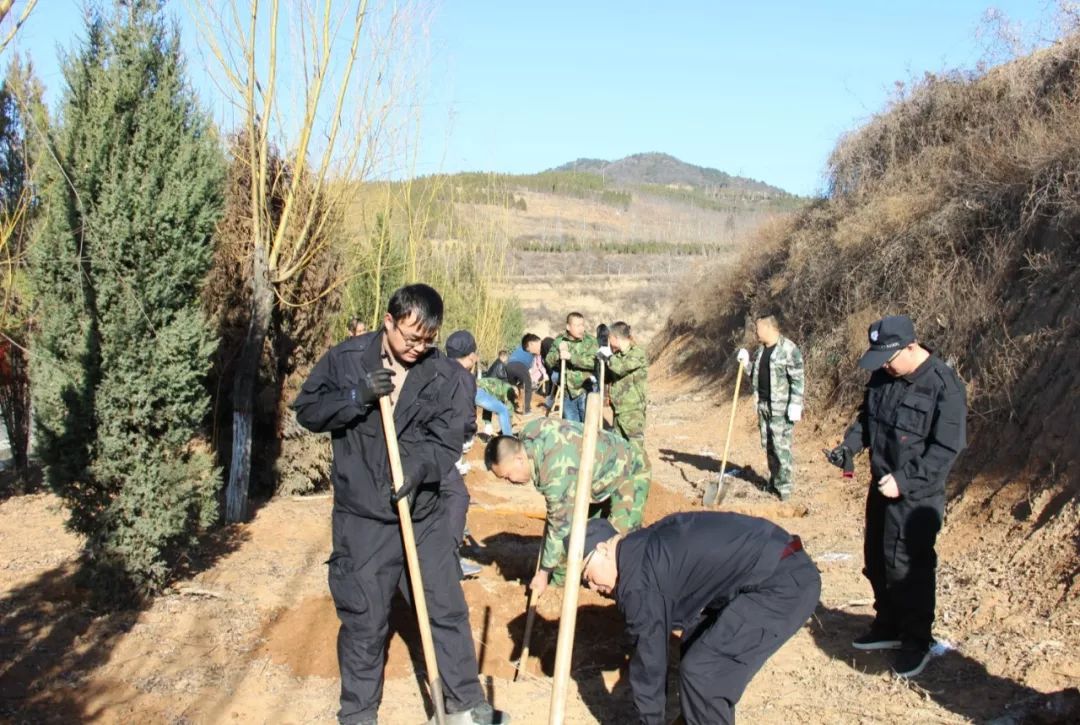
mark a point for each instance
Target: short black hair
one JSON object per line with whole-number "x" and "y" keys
{"x": 499, "y": 448}
{"x": 417, "y": 300}
{"x": 620, "y": 330}
{"x": 354, "y": 322}
{"x": 572, "y": 315}
{"x": 529, "y": 338}
{"x": 545, "y": 345}
{"x": 771, "y": 315}
{"x": 503, "y": 352}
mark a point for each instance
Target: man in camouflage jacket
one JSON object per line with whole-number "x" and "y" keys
{"x": 548, "y": 454}
{"x": 578, "y": 349}
{"x": 777, "y": 378}
{"x": 628, "y": 371}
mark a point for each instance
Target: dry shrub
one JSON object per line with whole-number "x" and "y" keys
{"x": 285, "y": 458}
{"x": 959, "y": 205}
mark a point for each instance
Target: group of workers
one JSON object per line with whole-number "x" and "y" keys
{"x": 735, "y": 587}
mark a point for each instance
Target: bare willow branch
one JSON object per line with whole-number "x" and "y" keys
{"x": 5, "y": 8}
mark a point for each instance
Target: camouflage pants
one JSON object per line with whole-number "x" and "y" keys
{"x": 776, "y": 437}
{"x": 630, "y": 425}
{"x": 625, "y": 508}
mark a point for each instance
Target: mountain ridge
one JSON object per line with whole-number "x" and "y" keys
{"x": 662, "y": 169}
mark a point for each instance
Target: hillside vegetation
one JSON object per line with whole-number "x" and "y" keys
{"x": 612, "y": 236}
{"x": 663, "y": 170}
{"x": 958, "y": 205}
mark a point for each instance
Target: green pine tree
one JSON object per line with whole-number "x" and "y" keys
{"x": 123, "y": 345}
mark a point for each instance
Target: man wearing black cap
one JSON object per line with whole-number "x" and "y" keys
{"x": 461, "y": 358}
{"x": 737, "y": 586}
{"x": 912, "y": 420}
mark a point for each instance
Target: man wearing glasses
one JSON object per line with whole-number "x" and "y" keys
{"x": 912, "y": 420}
{"x": 341, "y": 397}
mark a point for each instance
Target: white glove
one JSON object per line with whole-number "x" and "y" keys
{"x": 605, "y": 351}
{"x": 743, "y": 357}
{"x": 794, "y": 413}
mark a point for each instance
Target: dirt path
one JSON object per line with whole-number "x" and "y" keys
{"x": 251, "y": 638}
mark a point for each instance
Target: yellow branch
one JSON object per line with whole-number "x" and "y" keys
{"x": 5, "y": 7}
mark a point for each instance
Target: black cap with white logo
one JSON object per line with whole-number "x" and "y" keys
{"x": 887, "y": 336}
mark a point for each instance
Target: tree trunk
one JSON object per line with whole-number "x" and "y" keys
{"x": 15, "y": 407}
{"x": 247, "y": 374}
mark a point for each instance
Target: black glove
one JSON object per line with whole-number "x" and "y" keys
{"x": 842, "y": 458}
{"x": 411, "y": 480}
{"x": 373, "y": 386}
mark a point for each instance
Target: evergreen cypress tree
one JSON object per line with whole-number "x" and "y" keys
{"x": 123, "y": 346}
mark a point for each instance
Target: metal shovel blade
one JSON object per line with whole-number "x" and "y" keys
{"x": 714, "y": 491}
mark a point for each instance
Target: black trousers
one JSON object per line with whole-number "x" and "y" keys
{"x": 518, "y": 374}
{"x": 901, "y": 563}
{"x": 455, "y": 499}
{"x": 722, "y": 654}
{"x": 365, "y": 568}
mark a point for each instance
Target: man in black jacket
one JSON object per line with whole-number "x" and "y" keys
{"x": 341, "y": 397}
{"x": 461, "y": 358}
{"x": 913, "y": 421}
{"x": 737, "y": 586}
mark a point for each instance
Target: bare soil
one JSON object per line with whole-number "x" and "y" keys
{"x": 252, "y": 637}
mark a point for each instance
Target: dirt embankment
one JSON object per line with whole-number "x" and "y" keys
{"x": 252, "y": 637}
{"x": 959, "y": 206}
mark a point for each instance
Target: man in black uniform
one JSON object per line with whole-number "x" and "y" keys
{"x": 737, "y": 586}
{"x": 341, "y": 397}
{"x": 461, "y": 358}
{"x": 913, "y": 420}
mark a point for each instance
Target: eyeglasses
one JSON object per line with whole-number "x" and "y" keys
{"x": 411, "y": 341}
{"x": 893, "y": 358}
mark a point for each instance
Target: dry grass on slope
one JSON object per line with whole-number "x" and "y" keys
{"x": 960, "y": 206}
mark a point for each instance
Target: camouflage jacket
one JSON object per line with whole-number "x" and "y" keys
{"x": 554, "y": 447}
{"x": 499, "y": 388}
{"x": 628, "y": 371}
{"x": 581, "y": 364}
{"x": 787, "y": 378}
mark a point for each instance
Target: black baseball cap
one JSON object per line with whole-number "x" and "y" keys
{"x": 460, "y": 344}
{"x": 887, "y": 336}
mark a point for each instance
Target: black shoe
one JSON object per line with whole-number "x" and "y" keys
{"x": 485, "y": 714}
{"x": 909, "y": 661}
{"x": 876, "y": 639}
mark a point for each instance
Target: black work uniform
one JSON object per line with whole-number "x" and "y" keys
{"x": 455, "y": 494}
{"x": 737, "y": 586}
{"x": 368, "y": 557}
{"x": 914, "y": 426}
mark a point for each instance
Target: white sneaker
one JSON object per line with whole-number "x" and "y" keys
{"x": 468, "y": 445}
{"x": 488, "y": 430}
{"x": 463, "y": 467}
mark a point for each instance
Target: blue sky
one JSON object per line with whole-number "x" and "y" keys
{"x": 759, "y": 89}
